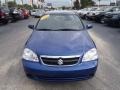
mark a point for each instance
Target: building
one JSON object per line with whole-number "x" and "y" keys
{"x": 41, "y": 4}
{"x": 0, "y": 3}
{"x": 118, "y": 2}
{"x": 49, "y": 5}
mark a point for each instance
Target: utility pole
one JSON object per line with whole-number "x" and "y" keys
{"x": 0, "y": 3}
{"x": 115, "y": 1}
{"x": 32, "y": 3}
{"x": 99, "y": 3}
{"x": 22, "y": 2}
{"x": 6, "y": 3}
{"x": 71, "y": 3}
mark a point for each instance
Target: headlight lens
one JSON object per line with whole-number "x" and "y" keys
{"x": 30, "y": 55}
{"x": 15, "y": 12}
{"x": 90, "y": 55}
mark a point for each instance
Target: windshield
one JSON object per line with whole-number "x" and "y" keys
{"x": 100, "y": 9}
{"x": 107, "y": 8}
{"x": 60, "y": 22}
{"x": 93, "y": 9}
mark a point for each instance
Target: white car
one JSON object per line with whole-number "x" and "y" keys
{"x": 83, "y": 12}
{"x": 90, "y": 13}
{"x": 99, "y": 13}
{"x": 37, "y": 12}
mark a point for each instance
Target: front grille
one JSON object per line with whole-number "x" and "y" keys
{"x": 60, "y": 60}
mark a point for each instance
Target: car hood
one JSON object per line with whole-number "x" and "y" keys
{"x": 112, "y": 13}
{"x": 99, "y": 11}
{"x": 60, "y": 43}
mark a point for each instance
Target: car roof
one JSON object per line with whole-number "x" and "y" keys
{"x": 60, "y": 12}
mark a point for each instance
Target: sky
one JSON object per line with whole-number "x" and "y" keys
{"x": 54, "y": 2}
{"x": 104, "y": 2}
{"x": 59, "y": 3}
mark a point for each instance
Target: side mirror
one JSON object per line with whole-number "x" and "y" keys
{"x": 31, "y": 26}
{"x": 89, "y": 26}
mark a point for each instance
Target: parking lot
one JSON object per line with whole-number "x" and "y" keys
{"x": 13, "y": 37}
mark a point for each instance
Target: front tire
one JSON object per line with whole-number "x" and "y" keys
{"x": 102, "y": 20}
{"x": 5, "y": 22}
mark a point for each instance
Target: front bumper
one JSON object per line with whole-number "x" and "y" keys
{"x": 96, "y": 17}
{"x": 90, "y": 17}
{"x": 16, "y": 16}
{"x": 6, "y": 18}
{"x": 80, "y": 71}
{"x": 82, "y": 16}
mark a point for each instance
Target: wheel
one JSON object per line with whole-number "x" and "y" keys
{"x": 5, "y": 21}
{"x": 102, "y": 20}
{"x": 85, "y": 17}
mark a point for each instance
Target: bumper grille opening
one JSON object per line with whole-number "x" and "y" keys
{"x": 60, "y": 61}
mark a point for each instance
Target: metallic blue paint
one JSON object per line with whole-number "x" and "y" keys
{"x": 60, "y": 43}
{"x": 82, "y": 71}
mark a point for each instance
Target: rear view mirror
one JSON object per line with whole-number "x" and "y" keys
{"x": 31, "y": 26}
{"x": 89, "y": 26}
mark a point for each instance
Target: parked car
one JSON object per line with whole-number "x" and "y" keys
{"x": 4, "y": 15}
{"x": 37, "y": 13}
{"x": 15, "y": 14}
{"x": 64, "y": 50}
{"x": 32, "y": 12}
{"x": 112, "y": 19}
{"x": 89, "y": 14}
{"x": 99, "y": 15}
{"x": 25, "y": 13}
{"x": 83, "y": 12}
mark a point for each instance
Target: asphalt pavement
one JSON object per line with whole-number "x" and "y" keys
{"x": 12, "y": 77}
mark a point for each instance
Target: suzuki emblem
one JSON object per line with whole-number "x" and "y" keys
{"x": 60, "y": 62}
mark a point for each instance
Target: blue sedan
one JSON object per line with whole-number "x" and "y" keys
{"x": 60, "y": 49}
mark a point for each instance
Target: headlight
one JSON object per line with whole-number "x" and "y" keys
{"x": 15, "y": 12}
{"x": 90, "y": 55}
{"x": 30, "y": 55}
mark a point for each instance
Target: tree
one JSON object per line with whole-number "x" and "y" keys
{"x": 27, "y": 6}
{"x": 0, "y": 3}
{"x": 11, "y": 4}
{"x": 86, "y": 3}
{"x": 63, "y": 7}
{"x": 99, "y": 2}
{"x": 76, "y": 4}
{"x": 35, "y": 6}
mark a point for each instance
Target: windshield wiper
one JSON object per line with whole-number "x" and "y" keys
{"x": 68, "y": 30}
{"x": 44, "y": 29}
{"x": 57, "y": 29}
